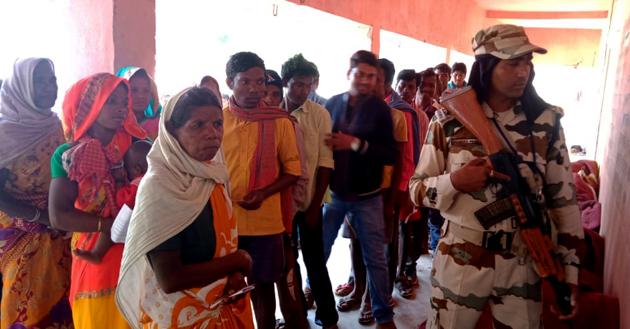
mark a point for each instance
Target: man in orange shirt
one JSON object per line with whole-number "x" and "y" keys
{"x": 263, "y": 160}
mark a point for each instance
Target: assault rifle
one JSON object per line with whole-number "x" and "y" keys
{"x": 529, "y": 213}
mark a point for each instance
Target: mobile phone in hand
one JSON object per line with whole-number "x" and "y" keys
{"x": 241, "y": 291}
{"x": 232, "y": 296}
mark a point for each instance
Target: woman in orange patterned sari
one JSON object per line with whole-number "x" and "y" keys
{"x": 34, "y": 259}
{"x": 181, "y": 253}
{"x": 99, "y": 124}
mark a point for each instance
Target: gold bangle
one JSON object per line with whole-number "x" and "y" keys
{"x": 100, "y": 224}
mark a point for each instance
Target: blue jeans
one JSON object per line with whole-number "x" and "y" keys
{"x": 435, "y": 224}
{"x": 366, "y": 218}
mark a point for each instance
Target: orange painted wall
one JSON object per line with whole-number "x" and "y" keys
{"x": 424, "y": 20}
{"x": 567, "y": 46}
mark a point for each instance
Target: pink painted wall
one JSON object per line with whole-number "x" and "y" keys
{"x": 134, "y": 34}
{"x": 615, "y": 163}
{"x": 90, "y": 41}
{"x": 76, "y": 35}
{"x": 425, "y": 20}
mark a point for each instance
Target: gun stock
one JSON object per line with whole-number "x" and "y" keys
{"x": 464, "y": 106}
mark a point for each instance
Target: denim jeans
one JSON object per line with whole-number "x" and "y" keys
{"x": 435, "y": 224}
{"x": 366, "y": 218}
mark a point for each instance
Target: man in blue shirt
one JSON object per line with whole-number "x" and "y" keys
{"x": 362, "y": 143}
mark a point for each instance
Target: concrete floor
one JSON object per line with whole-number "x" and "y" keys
{"x": 408, "y": 313}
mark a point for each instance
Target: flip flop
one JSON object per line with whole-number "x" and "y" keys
{"x": 405, "y": 289}
{"x": 348, "y": 304}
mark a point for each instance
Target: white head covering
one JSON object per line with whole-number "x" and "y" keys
{"x": 171, "y": 195}
{"x": 23, "y": 124}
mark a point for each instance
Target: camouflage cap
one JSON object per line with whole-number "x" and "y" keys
{"x": 504, "y": 41}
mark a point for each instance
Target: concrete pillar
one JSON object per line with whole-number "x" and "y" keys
{"x": 134, "y": 34}
{"x": 85, "y": 40}
{"x": 375, "y": 32}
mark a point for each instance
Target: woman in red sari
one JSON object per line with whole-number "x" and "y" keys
{"x": 99, "y": 124}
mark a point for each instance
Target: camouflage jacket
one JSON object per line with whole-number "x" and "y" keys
{"x": 449, "y": 146}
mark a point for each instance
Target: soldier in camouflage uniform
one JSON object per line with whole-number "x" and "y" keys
{"x": 452, "y": 176}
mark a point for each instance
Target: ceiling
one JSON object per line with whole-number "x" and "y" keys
{"x": 545, "y": 5}
{"x": 572, "y": 6}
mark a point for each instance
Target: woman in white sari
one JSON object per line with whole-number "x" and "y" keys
{"x": 181, "y": 253}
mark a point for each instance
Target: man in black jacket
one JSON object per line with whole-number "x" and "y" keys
{"x": 363, "y": 143}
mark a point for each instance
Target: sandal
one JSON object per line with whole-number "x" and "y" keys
{"x": 344, "y": 289}
{"x": 366, "y": 317}
{"x": 348, "y": 304}
{"x": 405, "y": 289}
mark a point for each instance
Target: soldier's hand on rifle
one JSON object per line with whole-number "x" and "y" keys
{"x": 574, "y": 305}
{"x": 474, "y": 175}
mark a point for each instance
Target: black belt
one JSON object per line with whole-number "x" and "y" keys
{"x": 498, "y": 241}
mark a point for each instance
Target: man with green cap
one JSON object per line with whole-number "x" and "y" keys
{"x": 476, "y": 263}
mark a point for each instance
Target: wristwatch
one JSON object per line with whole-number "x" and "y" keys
{"x": 356, "y": 143}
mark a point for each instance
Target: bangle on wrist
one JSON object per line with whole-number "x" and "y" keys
{"x": 36, "y": 217}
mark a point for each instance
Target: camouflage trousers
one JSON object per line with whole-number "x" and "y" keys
{"x": 467, "y": 277}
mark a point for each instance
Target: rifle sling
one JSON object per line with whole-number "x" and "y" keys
{"x": 532, "y": 165}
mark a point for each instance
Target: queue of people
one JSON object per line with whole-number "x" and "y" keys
{"x": 225, "y": 194}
